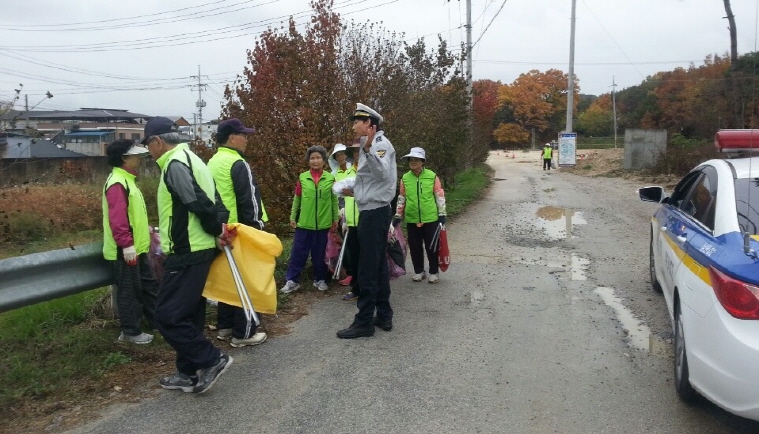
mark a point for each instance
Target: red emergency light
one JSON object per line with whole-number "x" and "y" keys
{"x": 739, "y": 141}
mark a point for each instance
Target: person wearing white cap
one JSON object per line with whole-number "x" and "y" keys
{"x": 342, "y": 169}
{"x": 421, "y": 204}
{"x": 376, "y": 181}
{"x": 126, "y": 241}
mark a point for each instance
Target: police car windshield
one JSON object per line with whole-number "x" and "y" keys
{"x": 747, "y": 204}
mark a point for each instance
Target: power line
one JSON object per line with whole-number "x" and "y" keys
{"x": 491, "y": 21}
{"x": 182, "y": 38}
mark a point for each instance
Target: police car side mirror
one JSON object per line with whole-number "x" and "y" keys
{"x": 652, "y": 194}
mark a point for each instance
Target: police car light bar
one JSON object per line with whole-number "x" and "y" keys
{"x": 737, "y": 141}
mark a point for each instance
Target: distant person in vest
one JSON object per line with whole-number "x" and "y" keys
{"x": 240, "y": 194}
{"x": 192, "y": 221}
{"x": 349, "y": 212}
{"x": 314, "y": 212}
{"x": 126, "y": 241}
{"x": 547, "y": 155}
{"x": 421, "y": 204}
{"x": 376, "y": 181}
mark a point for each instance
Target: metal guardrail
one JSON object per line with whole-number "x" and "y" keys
{"x": 30, "y": 279}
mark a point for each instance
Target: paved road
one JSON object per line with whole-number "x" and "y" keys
{"x": 527, "y": 332}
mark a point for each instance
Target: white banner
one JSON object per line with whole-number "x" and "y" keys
{"x": 567, "y": 148}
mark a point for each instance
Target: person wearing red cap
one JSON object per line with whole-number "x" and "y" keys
{"x": 240, "y": 194}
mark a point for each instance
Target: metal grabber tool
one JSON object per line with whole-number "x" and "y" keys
{"x": 247, "y": 305}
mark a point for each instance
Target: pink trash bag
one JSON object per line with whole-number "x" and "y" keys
{"x": 156, "y": 257}
{"x": 396, "y": 252}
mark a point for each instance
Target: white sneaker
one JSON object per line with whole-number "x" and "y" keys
{"x": 256, "y": 339}
{"x": 289, "y": 287}
{"x": 321, "y": 285}
{"x": 419, "y": 277}
{"x": 433, "y": 278}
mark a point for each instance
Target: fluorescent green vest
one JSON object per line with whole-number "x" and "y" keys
{"x": 317, "y": 202}
{"x": 351, "y": 209}
{"x": 547, "y": 153}
{"x": 220, "y": 166}
{"x": 136, "y": 212}
{"x": 197, "y": 237}
{"x": 421, "y": 206}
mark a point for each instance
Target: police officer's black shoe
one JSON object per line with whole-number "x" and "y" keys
{"x": 385, "y": 325}
{"x": 356, "y": 331}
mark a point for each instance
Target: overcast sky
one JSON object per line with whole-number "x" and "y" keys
{"x": 140, "y": 55}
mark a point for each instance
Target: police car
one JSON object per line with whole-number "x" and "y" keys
{"x": 704, "y": 258}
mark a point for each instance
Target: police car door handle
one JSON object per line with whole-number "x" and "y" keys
{"x": 681, "y": 238}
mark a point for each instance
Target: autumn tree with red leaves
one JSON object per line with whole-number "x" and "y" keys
{"x": 299, "y": 89}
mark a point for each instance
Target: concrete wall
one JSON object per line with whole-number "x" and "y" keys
{"x": 50, "y": 170}
{"x": 643, "y": 147}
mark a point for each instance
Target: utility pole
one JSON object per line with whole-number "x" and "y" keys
{"x": 26, "y": 110}
{"x": 200, "y": 103}
{"x": 614, "y": 108}
{"x": 571, "y": 78}
{"x": 469, "y": 50}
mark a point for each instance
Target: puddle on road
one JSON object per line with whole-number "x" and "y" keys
{"x": 639, "y": 333}
{"x": 553, "y": 220}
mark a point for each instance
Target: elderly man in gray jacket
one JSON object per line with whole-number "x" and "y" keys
{"x": 376, "y": 180}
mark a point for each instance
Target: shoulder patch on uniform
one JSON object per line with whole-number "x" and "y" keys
{"x": 381, "y": 153}
{"x": 378, "y": 139}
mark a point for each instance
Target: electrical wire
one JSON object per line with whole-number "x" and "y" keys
{"x": 613, "y": 40}
{"x": 491, "y": 22}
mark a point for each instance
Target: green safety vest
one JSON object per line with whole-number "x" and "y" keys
{"x": 136, "y": 213}
{"x": 318, "y": 204}
{"x": 547, "y": 153}
{"x": 421, "y": 206}
{"x": 220, "y": 166}
{"x": 351, "y": 209}
{"x": 197, "y": 237}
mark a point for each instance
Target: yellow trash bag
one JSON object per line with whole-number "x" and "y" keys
{"x": 255, "y": 253}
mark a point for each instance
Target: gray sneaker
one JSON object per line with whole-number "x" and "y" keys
{"x": 179, "y": 381}
{"x": 321, "y": 285}
{"x": 207, "y": 377}
{"x": 140, "y": 339}
{"x": 289, "y": 287}
{"x": 223, "y": 334}
{"x": 256, "y": 339}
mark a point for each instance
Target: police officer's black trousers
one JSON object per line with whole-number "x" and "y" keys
{"x": 350, "y": 258}
{"x": 180, "y": 317}
{"x": 373, "y": 276}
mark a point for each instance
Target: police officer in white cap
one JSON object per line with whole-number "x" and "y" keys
{"x": 376, "y": 181}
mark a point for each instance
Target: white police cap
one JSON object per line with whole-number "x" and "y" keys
{"x": 363, "y": 111}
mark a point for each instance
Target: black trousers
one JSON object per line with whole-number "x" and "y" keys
{"x": 350, "y": 258}
{"x": 547, "y": 163}
{"x": 373, "y": 276}
{"x": 136, "y": 292}
{"x": 233, "y": 317}
{"x": 418, "y": 236}
{"x": 180, "y": 316}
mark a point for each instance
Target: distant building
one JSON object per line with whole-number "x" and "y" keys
{"x": 14, "y": 146}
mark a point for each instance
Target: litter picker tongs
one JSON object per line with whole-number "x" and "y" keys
{"x": 336, "y": 274}
{"x": 247, "y": 305}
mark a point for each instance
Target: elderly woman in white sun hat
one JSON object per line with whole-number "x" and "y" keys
{"x": 421, "y": 204}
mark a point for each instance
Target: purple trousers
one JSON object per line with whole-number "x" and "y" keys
{"x": 308, "y": 241}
